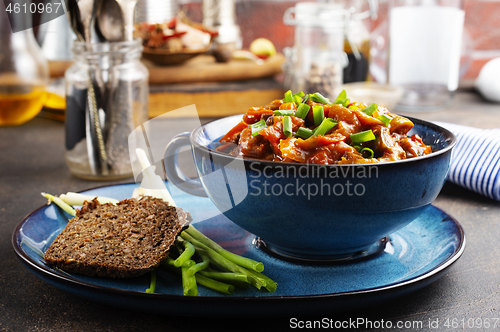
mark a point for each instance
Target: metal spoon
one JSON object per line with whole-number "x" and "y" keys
{"x": 75, "y": 20}
{"x": 109, "y": 19}
{"x": 115, "y": 19}
{"x": 82, "y": 15}
{"x": 127, "y": 7}
{"x": 84, "y": 10}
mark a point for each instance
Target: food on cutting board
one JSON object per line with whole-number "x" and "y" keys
{"x": 309, "y": 128}
{"x": 178, "y": 35}
{"x": 263, "y": 48}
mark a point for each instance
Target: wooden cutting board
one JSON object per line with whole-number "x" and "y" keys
{"x": 202, "y": 68}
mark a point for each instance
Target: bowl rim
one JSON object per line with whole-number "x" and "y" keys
{"x": 451, "y": 137}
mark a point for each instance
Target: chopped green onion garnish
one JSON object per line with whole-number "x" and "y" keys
{"x": 302, "y": 110}
{"x": 306, "y": 98}
{"x": 318, "y": 114}
{"x": 297, "y": 97}
{"x": 357, "y": 147}
{"x": 353, "y": 107}
{"x": 304, "y": 132}
{"x": 325, "y": 126}
{"x": 317, "y": 97}
{"x": 386, "y": 119}
{"x": 283, "y": 112}
{"x": 370, "y": 109}
{"x": 258, "y": 126}
{"x": 363, "y": 136}
{"x": 367, "y": 153}
{"x": 287, "y": 126}
{"x": 288, "y": 97}
{"x": 341, "y": 97}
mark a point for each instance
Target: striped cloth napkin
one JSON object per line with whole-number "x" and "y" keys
{"x": 475, "y": 160}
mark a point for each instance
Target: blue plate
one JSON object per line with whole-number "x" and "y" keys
{"x": 414, "y": 257}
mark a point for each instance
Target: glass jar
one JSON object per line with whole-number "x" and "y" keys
{"x": 317, "y": 58}
{"x": 24, "y": 74}
{"x": 106, "y": 98}
{"x": 316, "y": 62}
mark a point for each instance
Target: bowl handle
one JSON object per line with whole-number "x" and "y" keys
{"x": 173, "y": 172}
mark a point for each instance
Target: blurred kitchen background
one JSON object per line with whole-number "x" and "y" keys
{"x": 265, "y": 19}
{"x": 186, "y": 83}
{"x": 225, "y": 56}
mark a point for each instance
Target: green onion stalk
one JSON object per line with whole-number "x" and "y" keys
{"x": 258, "y": 126}
{"x": 257, "y": 279}
{"x": 59, "y": 202}
{"x": 152, "y": 284}
{"x": 370, "y": 109}
{"x": 302, "y": 111}
{"x": 364, "y": 136}
{"x": 326, "y": 125}
{"x": 304, "y": 133}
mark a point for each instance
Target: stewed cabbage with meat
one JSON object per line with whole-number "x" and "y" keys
{"x": 308, "y": 128}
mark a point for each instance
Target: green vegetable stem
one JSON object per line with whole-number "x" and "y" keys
{"x": 257, "y": 279}
{"x": 199, "y": 266}
{"x": 243, "y": 261}
{"x": 186, "y": 254}
{"x": 214, "y": 284}
{"x": 237, "y": 279}
{"x": 59, "y": 202}
{"x": 152, "y": 284}
{"x": 189, "y": 286}
{"x": 198, "y": 279}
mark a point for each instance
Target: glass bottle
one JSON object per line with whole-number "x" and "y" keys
{"x": 24, "y": 74}
{"x": 424, "y": 51}
{"x": 97, "y": 134}
{"x": 357, "y": 41}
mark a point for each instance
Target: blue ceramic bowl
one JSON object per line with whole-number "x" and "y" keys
{"x": 317, "y": 212}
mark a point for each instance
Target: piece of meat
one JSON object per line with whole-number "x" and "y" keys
{"x": 233, "y": 135}
{"x": 387, "y": 145}
{"x": 253, "y": 146}
{"x": 414, "y": 147}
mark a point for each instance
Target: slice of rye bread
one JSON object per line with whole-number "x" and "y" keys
{"x": 124, "y": 240}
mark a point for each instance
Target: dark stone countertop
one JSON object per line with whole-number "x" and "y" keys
{"x": 33, "y": 161}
